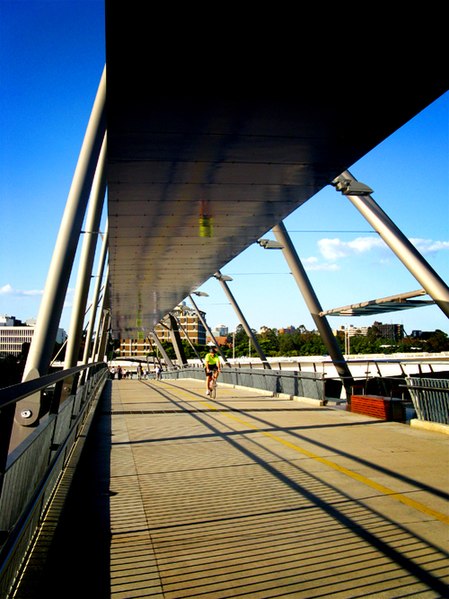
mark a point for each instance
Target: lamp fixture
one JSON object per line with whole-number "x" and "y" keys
{"x": 350, "y": 187}
{"x": 270, "y": 244}
{"x": 221, "y": 277}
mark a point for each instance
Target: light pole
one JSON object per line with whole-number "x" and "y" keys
{"x": 359, "y": 195}
{"x": 284, "y": 242}
{"x": 223, "y": 281}
{"x": 204, "y": 323}
{"x": 347, "y": 341}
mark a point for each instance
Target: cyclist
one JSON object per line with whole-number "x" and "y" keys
{"x": 213, "y": 367}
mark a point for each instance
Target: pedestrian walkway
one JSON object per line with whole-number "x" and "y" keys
{"x": 249, "y": 496}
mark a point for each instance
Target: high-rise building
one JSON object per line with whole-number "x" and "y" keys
{"x": 14, "y": 333}
{"x": 220, "y": 330}
{"x": 395, "y": 332}
{"x": 189, "y": 326}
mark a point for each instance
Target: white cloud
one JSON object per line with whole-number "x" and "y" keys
{"x": 426, "y": 246}
{"x": 312, "y": 263}
{"x": 335, "y": 249}
{"x": 6, "y": 290}
{"x": 9, "y": 290}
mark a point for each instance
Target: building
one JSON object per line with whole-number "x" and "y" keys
{"x": 189, "y": 326}
{"x": 14, "y": 333}
{"x": 287, "y": 330}
{"x": 220, "y": 340}
{"x": 134, "y": 347}
{"x": 220, "y": 330}
{"x": 8, "y": 321}
{"x": 394, "y": 332}
{"x": 351, "y": 331}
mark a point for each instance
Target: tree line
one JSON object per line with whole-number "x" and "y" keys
{"x": 302, "y": 342}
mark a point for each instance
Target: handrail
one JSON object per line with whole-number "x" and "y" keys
{"x": 7, "y": 548}
{"x": 14, "y": 393}
{"x": 35, "y": 472}
{"x": 425, "y": 388}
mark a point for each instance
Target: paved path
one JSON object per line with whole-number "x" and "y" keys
{"x": 252, "y": 497}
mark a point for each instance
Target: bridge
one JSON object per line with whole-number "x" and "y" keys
{"x": 262, "y": 492}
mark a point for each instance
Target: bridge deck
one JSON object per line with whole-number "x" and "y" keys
{"x": 247, "y": 496}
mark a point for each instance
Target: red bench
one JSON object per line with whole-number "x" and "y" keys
{"x": 377, "y": 406}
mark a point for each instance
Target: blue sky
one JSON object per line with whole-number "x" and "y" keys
{"x": 51, "y": 60}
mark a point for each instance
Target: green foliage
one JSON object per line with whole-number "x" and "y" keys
{"x": 437, "y": 342}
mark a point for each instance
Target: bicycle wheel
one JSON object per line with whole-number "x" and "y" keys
{"x": 213, "y": 391}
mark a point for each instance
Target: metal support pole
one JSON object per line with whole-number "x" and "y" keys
{"x": 176, "y": 340}
{"x": 27, "y": 411}
{"x": 86, "y": 262}
{"x": 186, "y": 335}
{"x": 394, "y": 238}
{"x": 101, "y": 266}
{"x": 160, "y": 347}
{"x": 105, "y": 306}
{"x": 65, "y": 249}
{"x": 104, "y": 334}
{"x": 242, "y": 319}
{"x": 314, "y": 307}
{"x": 208, "y": 331}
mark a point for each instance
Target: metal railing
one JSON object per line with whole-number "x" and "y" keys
{"x": 293, "y": 383}
{"x": 430, "y": 397}
{"x": 31, "y": 472}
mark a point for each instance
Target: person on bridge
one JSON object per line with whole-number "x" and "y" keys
{"x": 213, "y": 366}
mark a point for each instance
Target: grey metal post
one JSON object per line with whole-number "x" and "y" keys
{"x": 65, "y": 249}
{"x": 105, "y": 305}
{"x": 104, "y": 334}
{"x": 242, "y": 319}
{"x": 160, "y": 347}
{"x": 102, "y": 307}
{"x": 394, "y": 238}
{"x": 176, "y": 340}
{"x": 103, "y": 325}
{"x": 314, "y": 307}
{"x": 86, "y": 261}
{"x": 209, "y": 332}
{"x": 101, "y": 266}
{"x": 186, "y": 335}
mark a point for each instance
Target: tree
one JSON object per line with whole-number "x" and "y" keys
{"x": 437, "y": 342}
{"x": 269, "y": 341}
{"x": 286, "y": 345}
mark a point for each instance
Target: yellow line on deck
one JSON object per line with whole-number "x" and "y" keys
{"x": 354, "y": 475}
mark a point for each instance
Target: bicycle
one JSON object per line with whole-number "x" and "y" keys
{"x": 212, "y": 383}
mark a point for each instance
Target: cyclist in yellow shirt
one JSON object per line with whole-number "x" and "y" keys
{"x": 213, "y": 367}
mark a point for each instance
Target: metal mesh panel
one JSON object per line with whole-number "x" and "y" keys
{"x": 23, "y": 476}
{"x": 25, "y": 473}
{"x": 430, "y": 398}
{"x": 274, "y": 381}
